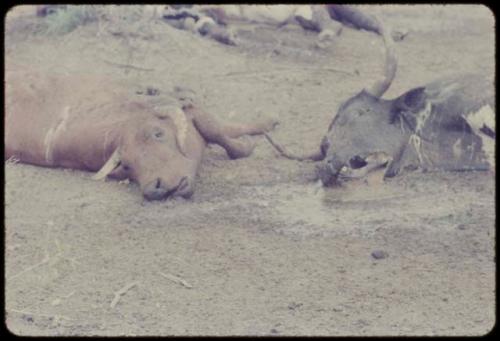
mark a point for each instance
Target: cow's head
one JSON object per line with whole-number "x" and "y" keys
{"x": 366, "y": 133}
{"x": 152, "y": 152}
{"x": 369, "y": 132}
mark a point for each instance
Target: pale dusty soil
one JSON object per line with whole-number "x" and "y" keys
{"x": 262, "y": 249}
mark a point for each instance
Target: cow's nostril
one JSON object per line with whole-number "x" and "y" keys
{"x": 184, "y": 188}
{"x": 334, "y": 165}
{"x": 158, "y": 183}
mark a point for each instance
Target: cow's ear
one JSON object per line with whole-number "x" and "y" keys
{"x": 408, "y": 104}
{"x": 411, "y": 101}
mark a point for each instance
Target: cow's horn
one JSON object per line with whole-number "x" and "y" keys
{"x": 180, "y": 122}
{"x": 181, "y": 125}
{"x": 382, "y": 84}
{"x": 109, "y": 166}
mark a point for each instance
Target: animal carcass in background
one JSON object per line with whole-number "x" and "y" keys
{"x": 215, "y": 21}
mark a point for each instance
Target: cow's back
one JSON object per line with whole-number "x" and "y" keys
{"x": 40, "y": 109}
{"x": 463, "y": 94}
{"x": 30, "y": 111}
{"x": 459, "y": 123}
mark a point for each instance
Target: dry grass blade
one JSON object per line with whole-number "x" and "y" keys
{"x": 177, "y": 280}
{"x": 128, "y": 66}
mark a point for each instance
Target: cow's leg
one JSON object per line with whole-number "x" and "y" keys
{"x": 214, "y": 131}
{"x": 235, "y": 130}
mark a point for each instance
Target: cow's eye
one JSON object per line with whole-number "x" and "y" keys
{"x": 158, "y": 134}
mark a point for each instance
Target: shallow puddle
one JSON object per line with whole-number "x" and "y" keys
{"x": 358, "y": 208}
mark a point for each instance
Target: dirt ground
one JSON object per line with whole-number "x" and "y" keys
{"x": 260, "y": 249}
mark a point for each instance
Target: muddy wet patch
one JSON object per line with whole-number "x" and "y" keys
{"x": 362, "y": 210}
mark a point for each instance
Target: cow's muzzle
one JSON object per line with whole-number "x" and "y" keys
{"x": 328, "y": 172}
{"x": 334, "y": 171}
{"x": 158, "y": 190}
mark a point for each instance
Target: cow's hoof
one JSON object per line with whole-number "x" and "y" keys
{"x": 399, "y": 34}
{"x": 269, "y": 125}
{"x": 189, "y": 24}
{"x": 327, "y": 37}
{"x": 223, "y": 36}
{"x": 240, "y": 149}
{"x": 205, "y": 25}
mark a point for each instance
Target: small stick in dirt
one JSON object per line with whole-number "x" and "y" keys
{"x": 128, "y": 66}
{"x": 45, "y": 260}
{"x": 284, "y": 69}
{"x": 321, "y": 69}
{"x": 13, "y": 160}
{"x": 177, "y": 280}
{"x": 58, "y": 301}
{"x": 39, "y": 314}
{"x": 122, "y": 292}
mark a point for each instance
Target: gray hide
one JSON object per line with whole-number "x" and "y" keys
{"x": 446, "y": 125}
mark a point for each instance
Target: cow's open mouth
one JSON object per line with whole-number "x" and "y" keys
{"x": 357, "y": 162}
{"x": 358, "y": 167}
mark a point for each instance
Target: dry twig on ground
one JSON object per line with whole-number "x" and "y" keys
{"x": 122, "y": 292}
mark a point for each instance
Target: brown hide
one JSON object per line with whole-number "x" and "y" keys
{"x": 79, "y": 121}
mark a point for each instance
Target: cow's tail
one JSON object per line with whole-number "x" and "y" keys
{"x": 314, "y": 156}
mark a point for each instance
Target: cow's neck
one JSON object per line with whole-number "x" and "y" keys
{"x": 85, "y": 146}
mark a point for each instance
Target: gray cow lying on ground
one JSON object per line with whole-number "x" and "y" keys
{"x": 446, "y": 125}
{"x": 84, "y": 122}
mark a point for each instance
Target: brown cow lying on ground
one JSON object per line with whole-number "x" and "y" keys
{"x": 76, "y": 122}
